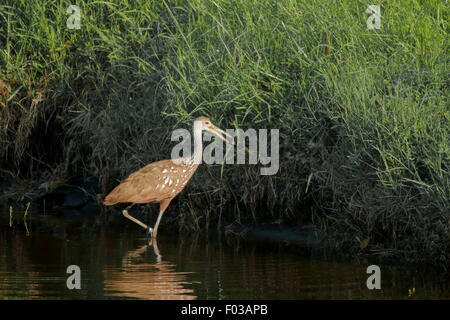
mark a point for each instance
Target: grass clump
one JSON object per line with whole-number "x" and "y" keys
{"x": 363, "y": 114}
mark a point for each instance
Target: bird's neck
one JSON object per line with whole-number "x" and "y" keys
{"x": 198, "y": 145}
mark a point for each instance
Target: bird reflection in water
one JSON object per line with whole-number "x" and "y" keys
{"x": 140, "y": 280}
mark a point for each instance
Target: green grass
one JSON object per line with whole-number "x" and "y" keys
{"x": 364, "y": 115}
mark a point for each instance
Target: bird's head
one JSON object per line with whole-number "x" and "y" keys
{"x": 206, "y": 124}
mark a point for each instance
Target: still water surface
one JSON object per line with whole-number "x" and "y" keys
{"x": 117, "y": 263}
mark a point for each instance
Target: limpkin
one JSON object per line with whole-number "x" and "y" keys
{"x": 163, "y": 180}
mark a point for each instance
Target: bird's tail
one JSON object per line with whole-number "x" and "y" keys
{"x": 108, "y": 201}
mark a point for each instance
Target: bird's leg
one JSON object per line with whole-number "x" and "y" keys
{"x": 126, "y": 215}
{"x": 162, "y": 207}
{"x": 155, "y": 228}
{"x": 156, "y": 250}
{"x": 149, "y": 236}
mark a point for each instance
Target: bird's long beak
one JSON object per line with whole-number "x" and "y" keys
{"x": 220, "y": 133}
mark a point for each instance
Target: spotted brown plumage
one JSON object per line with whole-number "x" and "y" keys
{"x": 161, "y": 181}
{"x": 152, "y": 183}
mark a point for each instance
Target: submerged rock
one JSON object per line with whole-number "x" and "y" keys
{"x": 299, "y": 235}
{"x": 77, "y": 196}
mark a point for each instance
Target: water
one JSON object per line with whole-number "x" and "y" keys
{"x": 117, "y": 263}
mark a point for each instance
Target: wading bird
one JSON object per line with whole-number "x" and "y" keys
{"x": 163, "y": 180}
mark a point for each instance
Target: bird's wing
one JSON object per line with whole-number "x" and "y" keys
{"x": 148, "y": 184}
{"x": 145, "y": 171}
